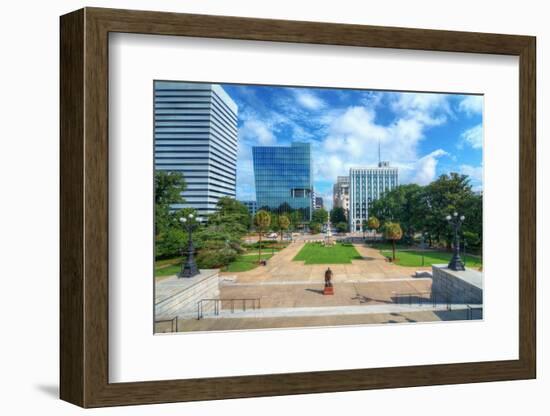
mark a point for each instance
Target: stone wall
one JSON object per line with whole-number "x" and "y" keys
{"x": 179, "y": 296}
{"x": 458, "y": 286}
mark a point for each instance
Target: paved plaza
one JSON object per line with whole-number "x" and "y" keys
{"x": 227, "y": 324}
{"x": 281, "y": 267}
{"x": 287, "y": 293}
{"x": 298, "y": 295}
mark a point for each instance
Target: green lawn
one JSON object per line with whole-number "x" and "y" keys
{"x": 414, "y": 258}
{"x": 167, "y": 270}
{"x": 316, "y": 253}
{"x": 245, "y": 262}
{"x": 167, "y": 267}
{"x": 385, "y": 246}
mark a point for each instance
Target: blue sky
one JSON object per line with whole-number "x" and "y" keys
{"x": 423, "y": 134}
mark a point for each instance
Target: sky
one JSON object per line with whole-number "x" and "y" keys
{"x": 423, "y": 134}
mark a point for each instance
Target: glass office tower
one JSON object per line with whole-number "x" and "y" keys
{"x": 283, "y": 178}
{"x": 196, "y": 134}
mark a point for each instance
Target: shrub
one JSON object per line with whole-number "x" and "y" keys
{"x": 315, "y": 227}
{"x": 213, "y": 259}
{"x": 342, "y": 227}
{"x": 170, "y": 243}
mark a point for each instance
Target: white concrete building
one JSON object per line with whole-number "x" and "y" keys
{"x": 367, "y": 184}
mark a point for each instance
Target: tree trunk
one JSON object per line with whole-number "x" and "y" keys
{"x": 260, "y": 247}
{"x": 393, "y": 247}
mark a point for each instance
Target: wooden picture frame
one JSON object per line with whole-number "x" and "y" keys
{"x": 84, "y": 207}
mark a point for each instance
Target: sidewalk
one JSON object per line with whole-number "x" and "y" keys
{"x": 282, "y": 267}
{"x": 289, "y": 322}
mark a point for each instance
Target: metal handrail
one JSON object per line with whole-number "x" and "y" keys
{"x": 218, "y": 303}
{"x": 432, "y": 297}
{"x": 471, "y": 310}
{"x": 174, "y": 323}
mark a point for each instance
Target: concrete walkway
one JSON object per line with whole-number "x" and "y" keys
{"x": 282, "y": 267}
{"x": 310, "y": 294}
{"x": 269, "y": 323}
{"x": 339, "y": 310}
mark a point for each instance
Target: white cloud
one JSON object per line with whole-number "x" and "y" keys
{"x": 353, "y": 136}
{"x": 308, "y": 100}
{"x": 256, "y": 131}
{"x": 425, "y": 167}
{"x": 474, "y": 172}
{"x": 472, "y": 104}
{"x": 473, "y": 136}
{"x": 428, "y": 109}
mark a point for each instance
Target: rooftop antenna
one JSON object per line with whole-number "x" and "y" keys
{"x": 379, "y": 158}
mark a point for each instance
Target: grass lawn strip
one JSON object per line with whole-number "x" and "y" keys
{"x": 245, "y": 263}
{"x": 316, "y": 253}
{"x": 414, "y": 258}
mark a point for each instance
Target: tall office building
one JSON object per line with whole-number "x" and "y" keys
{"x": 318, "y": 203}
{"x": 367, "y": 185}
{"x": 251, "y": 206}
{"x": 196, "y": 134}
{"x": 340, "y": 194}
{"x": 283, "y": 178}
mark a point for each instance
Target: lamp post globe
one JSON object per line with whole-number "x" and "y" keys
{"x": 456, "y": 262}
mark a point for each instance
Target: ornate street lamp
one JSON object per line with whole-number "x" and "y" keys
{"x": 456, "y": 262}
{"x": 423, "y": 244}
{"x": 189, "y": 269}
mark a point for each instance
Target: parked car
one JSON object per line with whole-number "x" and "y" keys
{"x": 272, "y": 235}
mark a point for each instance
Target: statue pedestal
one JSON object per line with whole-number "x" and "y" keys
{"x": 328, "y": 290}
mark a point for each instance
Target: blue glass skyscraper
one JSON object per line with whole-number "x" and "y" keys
{"x": 283, "y": 178}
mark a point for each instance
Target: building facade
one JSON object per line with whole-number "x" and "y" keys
{"x": 340, "y": 194}
{"x": 196, "y": 134}
{"x": 283, "y": 178}
{"x": 367, "y": 185}
{"x": 252, "y": 207}
{"x": 318, "y": 203}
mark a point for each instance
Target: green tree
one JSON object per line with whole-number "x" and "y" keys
{"x": 314, "y": 227}
{"x": 342, "y": 227}
{"x": 284, "y": 223}
{"x": 231, "y": 216}
{"x": 373, "y": 223}
{"x": 423, "y": 208}
{"x": 337, "y": 215}
{"x": 447, "y": 194}
{"x": 168, "y": 188}
{"x": 402, "y": 204}
{"x": 393, "y": 232}
{"x": 262, "y": 221}
{"x": 169, "y": 237}
{"x": 319, "y": 216}
{"x": 364, "y": 225}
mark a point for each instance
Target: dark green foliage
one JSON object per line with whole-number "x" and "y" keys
{"x": 168, "y": 189}
{"x": 424, "y": 208}
{"x": 319, "y": 216}
{"x": 233, "y": 214}
{"x": 169, "y": 236}
{"x": 342, "y": 227}
{"x": 337, "y": 215}
{"x": 169, "y": 243}
{"x": 314, "y": 227}
{"x": 215, "y": 258}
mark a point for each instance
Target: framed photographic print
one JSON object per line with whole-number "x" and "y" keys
{"x": 255, "y": 207}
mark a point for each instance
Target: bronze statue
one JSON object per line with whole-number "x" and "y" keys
{"x": 328, "y": 278}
